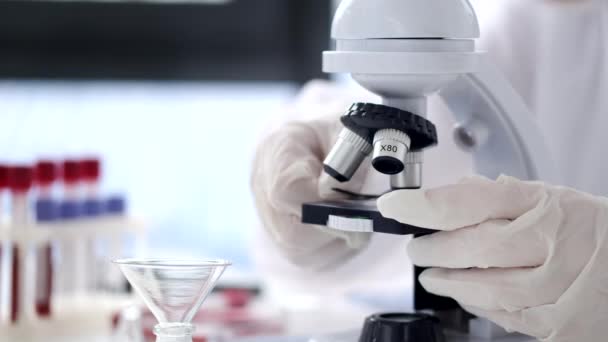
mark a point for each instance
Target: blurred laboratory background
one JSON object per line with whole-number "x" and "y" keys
{"x": 127, "y": 129}
{"x": 158, "y": 90}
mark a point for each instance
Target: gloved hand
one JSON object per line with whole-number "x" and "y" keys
{"x": 288, "y": 171}
{"x": 531, "y": 257}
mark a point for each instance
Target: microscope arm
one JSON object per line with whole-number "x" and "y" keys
{"x": 497, "y": 127}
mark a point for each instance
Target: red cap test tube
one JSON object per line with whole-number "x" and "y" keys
{"x": 3, "y": 249}
{"x": 20, "y": 179}
{"x": 3, "y": 177}
{"x": 46, "y": 174}
{"x": 90, "y": 169}
{"x": 3, "y": 185}
{"x": 71, "y": 175}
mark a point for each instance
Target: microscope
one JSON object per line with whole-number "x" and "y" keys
{"x": 405, "y": 51}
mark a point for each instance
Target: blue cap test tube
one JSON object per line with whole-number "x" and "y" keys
{"x": 47, "y": 210}
{"x": 72, "y": 251}
{"x": 69, "y": 210}
{"x": 92, "y": 208}
{"x": 115, "y": 206}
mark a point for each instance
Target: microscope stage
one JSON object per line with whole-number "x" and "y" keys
{"x": 357, "y": 216}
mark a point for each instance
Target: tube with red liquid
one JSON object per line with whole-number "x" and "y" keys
{"x": 3, "y": 187}
{"x": 4, "y": 304}
{"x": 46, "y": 211}
{"x": 20, "y": 183}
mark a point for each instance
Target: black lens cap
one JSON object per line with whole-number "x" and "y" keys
{"x": 401, "y": 327}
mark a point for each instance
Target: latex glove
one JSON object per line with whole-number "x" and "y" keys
{"x": 288, "y": 171}
{"x": 531, "y": 257}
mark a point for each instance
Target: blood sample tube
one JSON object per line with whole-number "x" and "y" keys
{"x": 71, "y": 175}
{"x": 3, "y": 187}
{"x": 45, "y": 176}
{"x": 74, "y": 250}
{"x": 92, "y": 208}
{"x": 20, "y": 183}
{"x": 46, "y": 212}
{"x": 4, "y": 303}
{"x": 91, "y": 172}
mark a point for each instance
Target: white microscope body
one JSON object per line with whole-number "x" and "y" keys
{"x": 407, "y": 50}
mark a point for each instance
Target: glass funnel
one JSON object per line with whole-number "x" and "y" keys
{"x": 173, "y": 290}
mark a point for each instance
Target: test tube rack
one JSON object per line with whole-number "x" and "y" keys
{"x": 75, "y": 316}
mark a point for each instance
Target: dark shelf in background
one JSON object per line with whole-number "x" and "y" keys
{"x": 244, "y": 40}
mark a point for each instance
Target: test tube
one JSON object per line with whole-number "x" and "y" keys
{"x": 70, "y": 283}
{"x": 115, "y": 206}
{"x": 4, "y": 303}
{"x": 71, "y": 175}
{"x": 92, "y": 208}
{"x": 46, "y": 212}
{"x": 20, "y": 183}
{"x": 91, "y": 172}
{"x": 3, "y": 187}
{"x": 72, "y": 248}
{"x": 45, "y": 176}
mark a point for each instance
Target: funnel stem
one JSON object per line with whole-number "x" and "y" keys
{"x": 174, "y": 332}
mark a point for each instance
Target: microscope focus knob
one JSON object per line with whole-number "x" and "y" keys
{"x": 401, "y": 327}
{"x": 391, "y": 147}
{"x": 366, "y": 119}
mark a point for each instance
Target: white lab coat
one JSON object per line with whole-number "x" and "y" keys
{"x": 555, "y": 53}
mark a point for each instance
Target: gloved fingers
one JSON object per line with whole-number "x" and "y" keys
{"x": 474, "y": 179}
{"x": 328, "y": 184}
{"x": 494, "y": 289}
{"x": 289, "y": 163}
{"x": 462, "y": 205}
{"x": 313, "y": 247}
{"x": 320, "y": 99}
{"x": 519, "y": 321}
{"x": 353, "y": 240}
{"x": 494, "y": 243}
{"x": 299, "y": 163}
